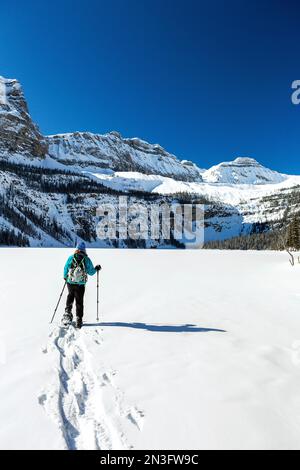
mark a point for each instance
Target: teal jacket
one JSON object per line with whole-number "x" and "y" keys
{"x": 88, "y": 266}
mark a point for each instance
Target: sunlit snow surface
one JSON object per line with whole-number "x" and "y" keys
{"x": 194, "y": 350}
{"x": 230, "y": 193}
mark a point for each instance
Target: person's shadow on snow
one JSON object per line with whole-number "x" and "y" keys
{"x": 188, "y": 328}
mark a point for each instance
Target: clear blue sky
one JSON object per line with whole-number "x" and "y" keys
{"x": 208, "y": 80}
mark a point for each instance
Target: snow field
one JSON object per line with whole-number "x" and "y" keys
{"x": 195, "y": 349}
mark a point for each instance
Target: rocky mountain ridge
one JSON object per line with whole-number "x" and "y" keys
{"x": 50, "y": 187}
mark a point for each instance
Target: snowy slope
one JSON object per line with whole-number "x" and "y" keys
{"x": 236, "y": 207}
{"x": 231, "y": 193}
{"x": 230, "y": 209}
{"x": 211, "y": 363}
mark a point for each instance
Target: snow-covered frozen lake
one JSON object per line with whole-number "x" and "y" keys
{"x": 194, "y": 350}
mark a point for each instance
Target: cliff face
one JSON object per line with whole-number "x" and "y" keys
{"x": 112, "y": 151}
{"x": 19, "y": 136}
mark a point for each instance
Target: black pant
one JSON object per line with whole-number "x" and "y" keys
{"x": 76, "y": 291}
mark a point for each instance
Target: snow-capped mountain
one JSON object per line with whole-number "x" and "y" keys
{"x": 242, "y": 171}
{"x": 19, "y": 136}
{"x": 111, "y": 151}
{"x": 50, "y": 187}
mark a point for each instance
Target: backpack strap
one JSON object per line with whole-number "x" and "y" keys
{"x": 75, "y": 262}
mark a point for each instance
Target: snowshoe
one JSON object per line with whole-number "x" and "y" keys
{"x": 66, "y": 320}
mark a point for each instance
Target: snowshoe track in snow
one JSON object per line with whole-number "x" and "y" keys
{"x": 76, "y": 401}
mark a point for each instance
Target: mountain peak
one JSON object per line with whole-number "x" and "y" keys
{"x": 245, "y": 161}
{"x": 18, "y": 134}
{"x": 7, "y": 81}
{"x": 11, "y": 95}
{"x": 242, "y": 170}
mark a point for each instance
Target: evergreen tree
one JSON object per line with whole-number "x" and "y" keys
{"x": 293, "y": 234}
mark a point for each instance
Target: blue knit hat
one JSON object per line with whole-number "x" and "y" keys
{"x": 81, "y": 247}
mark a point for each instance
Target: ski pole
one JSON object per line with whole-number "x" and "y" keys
{"x": 58, "y": 302}
{"x": 98, "y": 295}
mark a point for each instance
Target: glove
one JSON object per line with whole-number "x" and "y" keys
{"x": 98, "y": 267}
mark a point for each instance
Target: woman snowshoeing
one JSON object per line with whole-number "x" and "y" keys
{"x": 76, "y": 271}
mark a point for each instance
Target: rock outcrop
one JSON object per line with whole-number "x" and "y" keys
{"x": 19, "y": 136}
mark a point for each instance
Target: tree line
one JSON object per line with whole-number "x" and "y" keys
{"x": 11, "y": 238}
